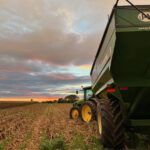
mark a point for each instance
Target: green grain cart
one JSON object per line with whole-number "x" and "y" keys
{"x": 121, "y": 74}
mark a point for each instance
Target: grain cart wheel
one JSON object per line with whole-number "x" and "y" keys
{"x": 110, "y": 123}
{"x": 88, "y": 111}
{"x": 74, "y": 113}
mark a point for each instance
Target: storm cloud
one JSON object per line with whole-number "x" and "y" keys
{"x": 47, "y": 46}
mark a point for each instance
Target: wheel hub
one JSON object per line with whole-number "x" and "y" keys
{"x": 86, "y": 113}
{"x": 75, "y": 114}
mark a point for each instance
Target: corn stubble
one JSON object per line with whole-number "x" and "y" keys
{"x": 35, "y": 126}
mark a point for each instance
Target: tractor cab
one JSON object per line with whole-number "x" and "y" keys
{"x": 87, "y": 92}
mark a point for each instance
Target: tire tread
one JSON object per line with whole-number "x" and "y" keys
{"x": 112, "y": 123}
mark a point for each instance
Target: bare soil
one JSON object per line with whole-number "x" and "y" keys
{"x": 24, "y": 127}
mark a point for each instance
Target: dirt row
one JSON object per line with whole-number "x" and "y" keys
{"x": 24, "y": 127}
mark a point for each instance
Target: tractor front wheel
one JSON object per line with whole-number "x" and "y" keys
{"x": 74, "y": 113}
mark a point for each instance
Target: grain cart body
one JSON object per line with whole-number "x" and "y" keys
{"x": 122, "y": 65}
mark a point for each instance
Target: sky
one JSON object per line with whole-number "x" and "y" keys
{"x": 47, "y": 46}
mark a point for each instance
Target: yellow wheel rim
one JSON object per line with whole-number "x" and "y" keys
{"x": 75, "y": 114}
{"x": 99, "y": 121}
{"x": 86, "y": 113}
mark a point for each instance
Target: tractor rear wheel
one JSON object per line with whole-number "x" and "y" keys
{"x": 110, "y": 123}
{"x": 88, "y": 111}
{"x": 75, "y": 113}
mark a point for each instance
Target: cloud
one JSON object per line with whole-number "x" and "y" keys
{"x": 29, "y": 78}
{"x": 55, "y": 47}
{"x": 47, "y": 47}
{"x": 21, "y": 84}
{"x": 43, "y": 30}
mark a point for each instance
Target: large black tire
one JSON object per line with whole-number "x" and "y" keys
{"x": 75, "y": 113}
{"x": 88, "y": 111}
{"x": 110, "y": 123}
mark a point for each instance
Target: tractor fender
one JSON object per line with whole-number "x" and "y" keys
{"x": 94, "y": 100}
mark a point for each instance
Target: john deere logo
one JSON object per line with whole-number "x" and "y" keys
{"x": 144, "y": 18}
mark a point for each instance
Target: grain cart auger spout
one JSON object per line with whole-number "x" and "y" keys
{"x": 121, "y": 73}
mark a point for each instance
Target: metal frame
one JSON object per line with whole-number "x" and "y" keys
{"x": 140, "y": 122}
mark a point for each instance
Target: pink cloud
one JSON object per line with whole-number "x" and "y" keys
{"x": 64, "y": 77}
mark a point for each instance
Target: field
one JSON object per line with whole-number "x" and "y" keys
{"x": 9, "y": 104}
{"x": 33, "y": 127}
{"x": 46, "y": 127}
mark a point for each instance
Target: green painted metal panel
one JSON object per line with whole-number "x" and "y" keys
{"x": 142, "y": 123}
{"x": 130, "y": 65}
{"x": 130, "y": 19}
{"x": 101, "y": 73}
{"x": 79, "y": 103}
{"x": 131, "y": 59}
{"x": 124, "y": 59}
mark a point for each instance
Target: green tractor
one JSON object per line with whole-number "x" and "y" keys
{"x": 84, "y": 109}
{"x": 120, "y": 76}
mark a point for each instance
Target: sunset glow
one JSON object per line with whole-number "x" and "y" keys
{"x": 35, "y": 99}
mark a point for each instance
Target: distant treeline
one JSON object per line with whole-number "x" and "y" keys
{"x": 67, "y": 99}
{"x": 60, "y": 101}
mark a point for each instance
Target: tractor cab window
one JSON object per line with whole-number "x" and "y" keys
{"x": 88, "y": 94}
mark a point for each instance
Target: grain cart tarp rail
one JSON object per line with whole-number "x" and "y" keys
{"x": 122, "y": 65}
